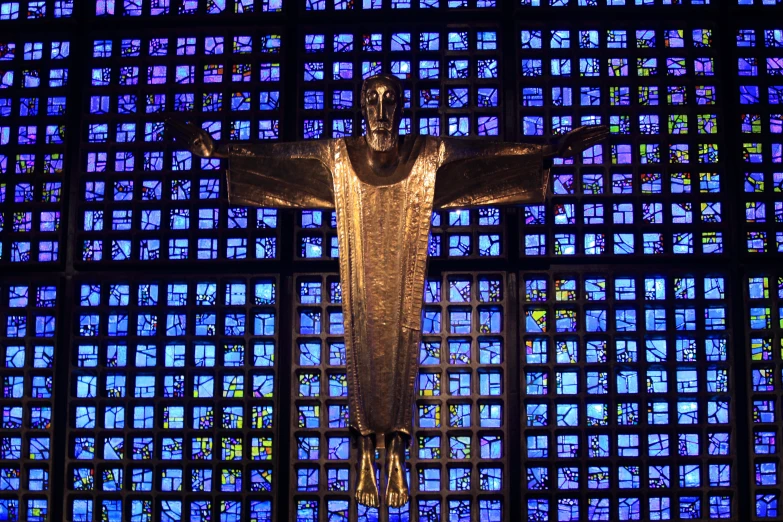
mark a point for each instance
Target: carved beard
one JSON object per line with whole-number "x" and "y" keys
{"x": 382, "y": 141}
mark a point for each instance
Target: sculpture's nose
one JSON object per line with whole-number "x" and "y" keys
{"x": 382, "y": 116}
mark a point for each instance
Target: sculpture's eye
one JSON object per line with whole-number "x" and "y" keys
{"x": 389, "y": 96}
{"x": 372, "y": 98}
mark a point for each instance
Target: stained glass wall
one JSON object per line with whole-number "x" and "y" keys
{"x": 763, "y": 319}
{"x": 654, "y": 188}
{"x": 609, "y": 354}
{"x": 759, "y": 70}
{"x": 143, "y": 199}
{"x": 627, "y": 386}
{"x": 465, "y": 233}
{"x": 36, "y": 9}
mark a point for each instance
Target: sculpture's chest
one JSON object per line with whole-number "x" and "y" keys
{"x": 411, "y": 189}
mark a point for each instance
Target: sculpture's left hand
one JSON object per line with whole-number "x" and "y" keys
{"x": 578, "y": 140}
{"x": 197, "y": 140}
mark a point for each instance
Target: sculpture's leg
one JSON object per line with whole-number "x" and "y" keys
{"x": 396, "y": 479}
{"x": 366, "y": 487}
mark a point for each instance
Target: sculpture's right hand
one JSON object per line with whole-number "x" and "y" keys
{"x": 197, "y": 140}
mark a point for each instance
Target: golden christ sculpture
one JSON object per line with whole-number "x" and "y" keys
{"x": 384, "y": 190}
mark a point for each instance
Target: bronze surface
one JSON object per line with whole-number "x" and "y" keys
{"x": 384, "y": 192}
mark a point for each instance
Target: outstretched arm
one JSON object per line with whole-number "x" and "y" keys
{"x": 269, "y": 174}
{"x": 577, "y": 140}
{"x": 475, "y": 172}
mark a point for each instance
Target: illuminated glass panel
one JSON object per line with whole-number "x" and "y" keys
{"x": 627, "y": 411}
{"x": 764, "y": 350}
{"x": 373, "y": 5}
{"x": 33, "y": 88}
{"x": 173, "y": 399}
{"x": 451, "y": 79}
{"x": 28, "y": 311}
{"x": 654, "y": 187}
{"x": 760, "y": 71}
{"x": 320, "y": 445}
{"x": 458, "y": 458}
{"x": 135, "y": 8}
{"x": 143, "y": 198}
{"x": 35, "y": 9}
{"x": 613, "y": 3}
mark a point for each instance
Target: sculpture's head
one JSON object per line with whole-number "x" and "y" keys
{"x": 381, "y": 101}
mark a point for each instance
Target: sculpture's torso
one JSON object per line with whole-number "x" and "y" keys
{"x": 383, "y": 233}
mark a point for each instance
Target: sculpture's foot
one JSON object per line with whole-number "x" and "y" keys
{"x": 366, "y": 487}
{"x": 396, "y": 480}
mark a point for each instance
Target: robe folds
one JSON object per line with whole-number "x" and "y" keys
{"x": 383, "y": 226}
{"x": 383, "y": 236}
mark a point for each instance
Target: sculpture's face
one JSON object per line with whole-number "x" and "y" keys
{"x": 382, "y": 108}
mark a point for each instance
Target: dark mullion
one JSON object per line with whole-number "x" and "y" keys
{"x": 735, "y": 206}
{"x": 37, "y": 206}
{"x": 77, "y": 71}
{"x": 284, "y": 417}
{"x": 510, "y": 107}
{"x": 287, "y": 297}
{"x": 508, "y": 95}
{"x": 290, "y": 64}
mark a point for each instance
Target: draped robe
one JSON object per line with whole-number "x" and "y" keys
{"x": 383, "y": 228}
{"x": 383, "y": 235}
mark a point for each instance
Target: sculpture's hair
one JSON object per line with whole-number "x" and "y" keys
{"x": 386, "y": 77}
